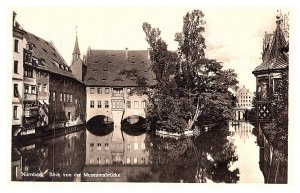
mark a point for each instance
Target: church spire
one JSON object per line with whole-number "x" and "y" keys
{"x": 76, "y": 51}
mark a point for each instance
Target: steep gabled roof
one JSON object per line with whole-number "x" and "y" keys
{"x": 104, "y": 66}
{"x": 275, "y": 54}
{"x": 50, "y": 58}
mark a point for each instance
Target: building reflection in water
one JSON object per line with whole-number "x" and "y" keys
{"x": 247, "y": 150}
{"x": 124, "y": 154}
{"x": 40, "y": 159}
{"x": 220, "y": 155}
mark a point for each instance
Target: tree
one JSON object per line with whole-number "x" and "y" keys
{"x": 190, "y": 88}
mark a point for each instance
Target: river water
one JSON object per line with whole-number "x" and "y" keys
{"x": 226, "y": 154}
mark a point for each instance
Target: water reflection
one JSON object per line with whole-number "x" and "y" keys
{"x": 225, "y": 154}
{"x": 206, "y": 158}
{"x": 48, "y": 160}
{"x": 248, "y": 151}
{"x": 125, "y": 155}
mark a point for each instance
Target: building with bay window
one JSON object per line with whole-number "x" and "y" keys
{"x": 270, "y": 75}
{"x": 46, "y": 93}
{"x": 108, "y": 92}
{"x": 60, "y": 96}
{"x": 275, "y": 62}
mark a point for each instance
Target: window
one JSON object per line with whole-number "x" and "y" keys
{"x": 135, "y": 160}
{"x": 99, "y": 104}
{"x": 143, "y": 146}
{"x": 128, "y": 90}
{"x": 136, "y": 104}
{"x": 65, "y": 97}
{"x": 53, "y": 96}
{"x": 143, "y": 105}
{"x": 16, "y": 90}
{"x": 106, "y": 105}
{"x": 92, "y": 91}
{"x": 117, "y": 104}
{"x": 99, "y": 90}
{"x": 91, "y": 146}
{"x": 128, "y": 104}
{"x": 71, "y": 98}
{"x": 39, "y": 88}
{"x": 69, "y": 116}
{"x": 276, "y": 84}
{"x": 61, "y": 97}
{"x": 16, "y": 64}
{"x": 15, "y": 112}
{"x": 26, "y": 89}
{"x": 98, "y": 146}
{"x": 106, "y": 146}
{"x": 92, "y": 104}
{"x": 28, "y": 72}
{"x": 129, "y": 147}
{"x": 106, "y": 90}
{"x": 136, "y": 146}
{"x": 16, "y": 45}
{"x": 45, "y": 87}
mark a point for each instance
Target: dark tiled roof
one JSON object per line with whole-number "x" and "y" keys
{"x": 275, "y": 53}
{"x": 104, "y": 66}
{"x": 50, "y": 58}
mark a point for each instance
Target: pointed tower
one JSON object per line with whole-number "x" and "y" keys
{"x": 76, "y": 51}
{"x": 78, "y": 66}
{"x": 275, "y": 61}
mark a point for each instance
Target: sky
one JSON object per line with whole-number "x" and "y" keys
{"x": 233, "y": 35}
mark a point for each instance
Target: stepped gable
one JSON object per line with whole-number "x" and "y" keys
{"x": 275, "y": 53}
{"x": 49, "y": 58}
{"x": 104, "y": 66}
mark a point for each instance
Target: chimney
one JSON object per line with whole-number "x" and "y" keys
{"x": 126, "y": 53}
{"x": 14, "y": 17}
{"x": 148, "y": 56}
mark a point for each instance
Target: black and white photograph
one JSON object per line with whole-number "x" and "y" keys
{"x": 149, "y": 94}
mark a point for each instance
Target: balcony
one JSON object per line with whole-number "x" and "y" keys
{"x": 29, "y": 97}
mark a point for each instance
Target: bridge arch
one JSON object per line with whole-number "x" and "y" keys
{"x": 99, "y": 119}
{"x": 133, "y": 119}
{"x": 100, "y": 125}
